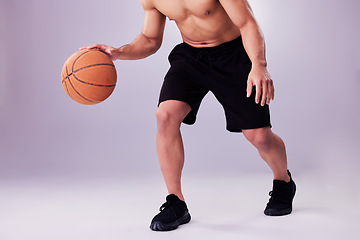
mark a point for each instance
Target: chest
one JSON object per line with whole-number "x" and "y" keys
{"x": 179, "y": 10}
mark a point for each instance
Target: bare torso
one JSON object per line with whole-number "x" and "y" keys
{"x": 202, "y": 23}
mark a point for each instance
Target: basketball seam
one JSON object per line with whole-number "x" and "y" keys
{"x": 67, "y": 73}
{"x": 100, "y": 64}
{"x": 93, "y": 84}
{"x": 94, "y": 65}
{"x": 80, "y": 94}
{"x": 68, "y": 77}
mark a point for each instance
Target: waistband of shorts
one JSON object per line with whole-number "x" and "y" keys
{"x": 223, "y": 48}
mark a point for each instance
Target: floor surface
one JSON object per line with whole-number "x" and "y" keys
{"x": 222, "y": 207}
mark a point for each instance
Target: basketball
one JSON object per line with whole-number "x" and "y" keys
{"x": 89, "y": 76}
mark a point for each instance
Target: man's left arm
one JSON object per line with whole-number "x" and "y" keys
{"x": 242, "y": 16}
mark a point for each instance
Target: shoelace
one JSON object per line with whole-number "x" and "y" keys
{"x": 278, "y": 194}
{"x": 277, "y": 191}
{"x": 164, "y": 206}
{"x": 271, "y": 194}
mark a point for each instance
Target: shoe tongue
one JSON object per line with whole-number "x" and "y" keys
{"x": 172, "y": 198}
{"x": 278, "y": 183}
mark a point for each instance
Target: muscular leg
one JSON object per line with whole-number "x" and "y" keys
{"x": 169, "y": 143}
{"x": 271, "y": 148}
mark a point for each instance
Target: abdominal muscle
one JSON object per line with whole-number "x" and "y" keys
{"x": 197, "y": 37}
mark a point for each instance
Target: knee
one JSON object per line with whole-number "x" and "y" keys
{"x": 165, "y": 119}
{"x": 170, "y": 114}
{"x": 162, "y": 116}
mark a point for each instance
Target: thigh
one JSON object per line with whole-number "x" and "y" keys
{"x": 181, "y": 83}
{"x": 229, "y": 87}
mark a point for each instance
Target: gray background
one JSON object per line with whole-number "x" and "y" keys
{"x": 313, "y": 56}
{"x": 69, "y": 171}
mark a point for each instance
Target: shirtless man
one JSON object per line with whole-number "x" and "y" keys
{"x": 223, "y": 51}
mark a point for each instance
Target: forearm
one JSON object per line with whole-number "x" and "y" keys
{"x": 141, "y": 47}
{"x": 254, "y": 43}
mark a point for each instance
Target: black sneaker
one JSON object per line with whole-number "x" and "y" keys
{"x": 172, "y": 214}
{"x": 281, "y": 198}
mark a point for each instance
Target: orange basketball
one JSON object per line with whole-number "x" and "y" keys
{"x": 89, "y": 76}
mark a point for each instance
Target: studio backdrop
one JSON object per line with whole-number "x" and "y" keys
{"x": 313, "y": 58}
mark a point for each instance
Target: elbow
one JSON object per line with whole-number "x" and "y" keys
{"x": 249, "y": 26}
{"x": 153, "y": 44}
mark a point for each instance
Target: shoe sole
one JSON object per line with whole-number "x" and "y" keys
{"x": 274, "y": 212}
{"x": 159, "y": 226}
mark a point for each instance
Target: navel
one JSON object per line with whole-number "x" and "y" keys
{"x": 207, "y": 12}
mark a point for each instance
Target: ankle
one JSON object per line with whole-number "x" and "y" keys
{"x": 179, "y": 195}
{"x": 283, "y": 177}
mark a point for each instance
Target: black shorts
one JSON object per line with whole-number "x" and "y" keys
{"x": 223, "y": 70}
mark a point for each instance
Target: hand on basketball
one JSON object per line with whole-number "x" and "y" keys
{"x": 111, "y": 51}
{"x": 260, "y": 78}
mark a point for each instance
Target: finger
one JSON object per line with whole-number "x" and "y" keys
{"x": 270, "y": 92}
{"x": 264, "y": 93}
{"x": 268, "y": 95}
{"x": 258, "y": 93}
{"x": 95, "y": 46}
{"x": 249, "y": 88}
{"x": 86, "y": 47}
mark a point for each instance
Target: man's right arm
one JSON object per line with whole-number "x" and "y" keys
{"x": 146, "y": 43}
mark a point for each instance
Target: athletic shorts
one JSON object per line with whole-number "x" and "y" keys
{"x": 223, "y": 70}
